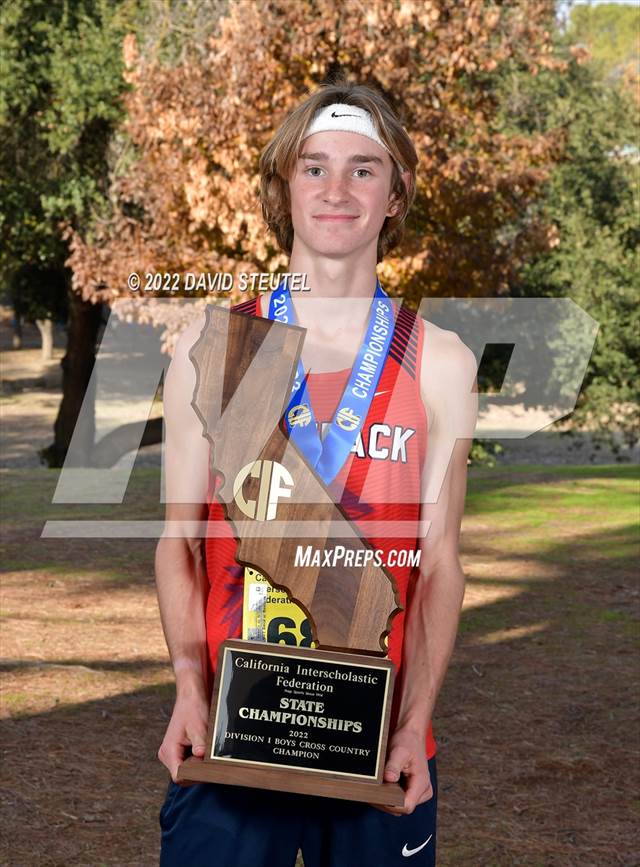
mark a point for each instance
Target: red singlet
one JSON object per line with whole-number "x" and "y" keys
{"x": 381, "y": 479}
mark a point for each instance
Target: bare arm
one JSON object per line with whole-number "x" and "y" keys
{"x": 181, "y": 579}
{"x": 449, "y": 388}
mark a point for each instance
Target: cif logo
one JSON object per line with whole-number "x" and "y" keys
{"x": 299, "y": 415}
{"x": 273, "y": 477}
{"x": 347, "y": 419}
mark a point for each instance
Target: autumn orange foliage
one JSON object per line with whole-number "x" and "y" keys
{"x": 189, "y": 199}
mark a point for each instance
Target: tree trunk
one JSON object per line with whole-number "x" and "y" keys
{"x": 45, "y": 327}
{"x": 16, "y": 340}
{"x": 77, "y": 365}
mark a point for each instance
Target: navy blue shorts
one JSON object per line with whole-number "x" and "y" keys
{"x": 210, "y": 825}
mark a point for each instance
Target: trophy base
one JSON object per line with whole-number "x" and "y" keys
{"x": 195, "y": 770}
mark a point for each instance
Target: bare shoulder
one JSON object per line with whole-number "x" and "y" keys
{"x": 445, "y": 350}
{"x": 447, "y": 372}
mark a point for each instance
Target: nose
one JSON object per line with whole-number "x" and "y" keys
{"x": 335, "y": 190}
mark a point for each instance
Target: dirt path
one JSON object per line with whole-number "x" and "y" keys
{"x": 538, "y": 729}
{"x": 537, "y": 740}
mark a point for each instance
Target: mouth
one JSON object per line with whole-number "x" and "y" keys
{"x": 335, "y": 218}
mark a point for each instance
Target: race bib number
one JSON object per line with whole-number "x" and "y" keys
{"x": 269, "y": 614}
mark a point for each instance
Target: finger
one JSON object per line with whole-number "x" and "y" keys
{"x": 416, "y": 788}
{"x": 396, "y": 810}
{"x": 171, "y": 754}
{"x": 198, "y": 739}
{"x": 410, "y": 803}
{"x": 427, "y": 795}
{"x": 396, "y": 764}
{"x": 174, "y": 775}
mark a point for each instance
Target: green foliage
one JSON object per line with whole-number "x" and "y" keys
{"x": 610, "y": 30}
{"x": 60, "y": 99}
{"x": 593, "y": 199}
{"x": 484, "y": 453}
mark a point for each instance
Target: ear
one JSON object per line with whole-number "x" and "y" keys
{"x": 393, "y": 208}
{"x": 394, "y": 205}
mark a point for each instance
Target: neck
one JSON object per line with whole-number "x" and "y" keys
{"x": 349, "y": 277}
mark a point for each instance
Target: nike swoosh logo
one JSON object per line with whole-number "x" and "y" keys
{"x": 381, "y": 392}
{"x": 333, "y": 114}
{"x": 407, "y": 853}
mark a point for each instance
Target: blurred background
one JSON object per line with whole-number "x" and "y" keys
{"x": 131, "y": 131}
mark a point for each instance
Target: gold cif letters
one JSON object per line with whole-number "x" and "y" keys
{"x": 347, "y": 419}
{"x": 299, "y": 415}
{"x": 272, "y": 476}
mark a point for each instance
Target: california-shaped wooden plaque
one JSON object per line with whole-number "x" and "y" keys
{"x": 306, "y": 720}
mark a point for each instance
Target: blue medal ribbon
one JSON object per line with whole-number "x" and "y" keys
{"x": 329, "y": 456}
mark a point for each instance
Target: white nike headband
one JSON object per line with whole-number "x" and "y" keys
{"x": 344, "y": 118}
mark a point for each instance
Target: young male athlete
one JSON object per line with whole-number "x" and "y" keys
{"x": 337, "y": 181}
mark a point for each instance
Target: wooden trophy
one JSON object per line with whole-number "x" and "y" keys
{"x": 311, "y": 720}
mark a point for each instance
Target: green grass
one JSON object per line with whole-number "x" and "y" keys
{"x": 558, "y": 513}
{"x": 564, "y": 538}
{"x": 27, "y": 497}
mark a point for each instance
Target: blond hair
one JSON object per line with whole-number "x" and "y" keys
{"x": 278, "y": 159}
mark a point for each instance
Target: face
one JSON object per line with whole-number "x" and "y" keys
{"x": 340, "y": 193}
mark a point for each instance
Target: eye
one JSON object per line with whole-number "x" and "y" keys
{"x": 366, "y": 173}
{"x": 312, "y": 171}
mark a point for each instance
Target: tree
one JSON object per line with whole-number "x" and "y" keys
{"x": 187, "y": 200}
{"x": 60, "y": 100}
{"x": 610, "y": 32}
{"x": 592, "y": 198}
